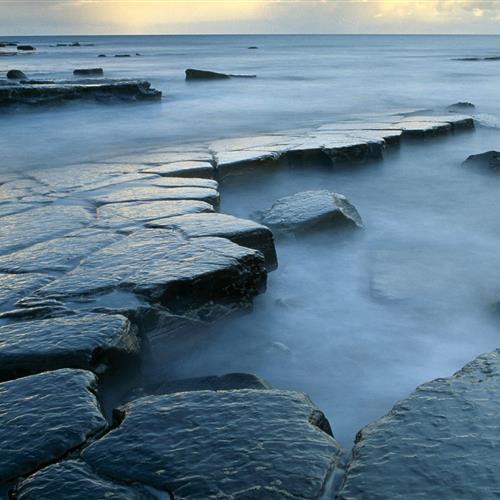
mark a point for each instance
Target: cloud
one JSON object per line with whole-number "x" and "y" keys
{"x": 248, "y": 16}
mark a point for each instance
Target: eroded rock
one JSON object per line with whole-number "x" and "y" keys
{"x": 43, "y": 417}
{"x": 242, "y": 231}
{"x": 440, "y": 442}
{"x": 310, "y": 210}
{"x": 93, "y": 341}
{"x": 234, "y": 444}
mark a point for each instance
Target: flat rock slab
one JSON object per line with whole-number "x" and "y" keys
{"x": 187, "y": 168}
{"x": 227, "y": 444}
{"x": 16, "y": 286}
{"x": 164, "y": 266}
{"x": 37, "y": 93}
{"x": 94, "y": 342}
{"x": 74, "y": 480}
{"x": 440, "y": 442}
{"x": 242, "y": 231}
{"x": 154, "y": 193}
{"x": 59, "y": 254}
{"x": 119, "y": 214}
{"x": 310, "y": 210}
{"x": 40, "y": 224}
{"x": 43, "y": 417}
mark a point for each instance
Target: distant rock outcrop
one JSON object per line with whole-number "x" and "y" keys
{"x": 198, "y": 74}
{"x": 16, "y": 74}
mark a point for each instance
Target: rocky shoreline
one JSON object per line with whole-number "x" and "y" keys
{"x": 99, "y": 259}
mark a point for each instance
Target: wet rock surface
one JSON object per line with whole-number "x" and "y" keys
{"x": 43, "y": 417}
{"x": 89, "y": 72}
{"x": 310, "y": 210}
{"x": 239, "y": 444}
{"x": 94, "y": 342}
{"x": 38, "y": 93}
{"x": 198, "y": 74}
{"x": 438, "y": 443}
{"x": 244, "y": 232}
{"x": 16, "y": 74}
{"x": 490, "y": 160}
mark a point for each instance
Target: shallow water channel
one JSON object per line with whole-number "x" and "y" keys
{"x": 358, "y": 319}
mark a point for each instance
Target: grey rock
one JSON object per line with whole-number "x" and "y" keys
{"x": 461, "y": 106}
{"x": 16, "y": 286}
{"x": 197, "y": 74}
{"x": 95, "y": 342}
{"x": 310, "y": 210}
{"x": 33, "y": 93}
{"x": 89, "y": 72}
{"x": 164, "y": 266}
{"x": 40, "y": 224}
{"x": 75, "y": 480}
{"x": 244, "y": 232}
{"x": 227, "y": 444}
{"x": 187, "y": 168}
{"x": 43, "y": 417}
{"x": 16, "y": 74}
{"x": 440, "y": 442}
{"x": 489, "y": 161}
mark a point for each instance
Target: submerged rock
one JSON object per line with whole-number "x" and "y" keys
{"x": 440, "y": 442}
{"x": 461, "y": 106}
{"x": 310, "y": 210}
{"x": 90, "y": 71}
{"x": 490, "y": 160}
{"x": 33, "y": 92}
{"x": 230, "y": 444}
{"x": 165, "y": 267}
{"x": 93, "y": 341}
{"x": 242, "y": 231}
{"x": 25, "y": 48}
{"x": 43, "y": 417}
{"x": 197, "y": 74}
{"x": 16, "y": 74}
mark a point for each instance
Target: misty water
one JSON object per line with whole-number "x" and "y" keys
{"x": 357, "y": 319}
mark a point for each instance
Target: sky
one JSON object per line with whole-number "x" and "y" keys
{"x": 38, "y": 17}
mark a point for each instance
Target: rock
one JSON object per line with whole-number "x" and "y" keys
{"x": 102, "y": 55}
{"x": 227, "y": 444}
{"x": 253, "y": 47}
{"x": 16, "y": 286}
{"x": 131, "y": 213}
{"x": 58, "y": 254}
{"x": 90, "y": 71}
{"x": 440, "y": 442}
{"x": 461, "y": 106}
{"x": 40, "y": 224}
{"x": 188, "y": 168}
{"x": 45, "y": 416}
{"x": 34, "y": 93}
{"x": 197, "y": 74}
{"x": 74, "y": 480}
{"x": 16, "y": 74}
{"x": 25, "y": 48}
{"x": 123, "y": 55}
{"x": 94, "y": 341}
{"x": 165, "y": 267}
{"x": 75, "y": 44}
{"x": 243, "y": 232}
{"x": 229, "y": 382}
{"x": 310, "y": 210}
{"x": 490, "y": 160}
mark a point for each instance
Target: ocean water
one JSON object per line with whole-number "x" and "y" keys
{"x": 302, "y": 80}
{"x": 355, "y": 319}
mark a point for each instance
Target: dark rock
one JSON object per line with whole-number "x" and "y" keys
{"x": 492, "y": 58}
{"x": 226, "y": 444}
{"x": 75, "y": 480}
{"x": 244, "y": 232}
{"x": 16, "y": 286}
{"x": 95, "y": 342}
{"x": 75, "y": 44}
{"x": 34, "y": 93}
{"x": 16, "y": 74}
{"x": 8, "y": 44}
{"x": 102, "y": 55}
{"x": 197, "y": 74}
{"x": 25, "y": 47}
{"x": 90, "y": 71}
{"x": 165, "y": 267}
{"x": 461, "y": 106}
{"x": 468, "y": 59}
{"x": 490, "y": 160}
{"x": 43, "y": 417}
{"x": 123, "y": 55}
{"x": 253, "y": 47}
{"x": 229, "y": 382}
{"x": 310, "y": 210}
{"x": 440, "y": 442}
